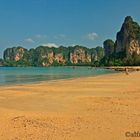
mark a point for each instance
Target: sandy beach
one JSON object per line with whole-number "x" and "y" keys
{"x": 92, "y": 108}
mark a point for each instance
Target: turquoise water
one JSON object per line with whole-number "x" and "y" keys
{"x": 25, "y": 75}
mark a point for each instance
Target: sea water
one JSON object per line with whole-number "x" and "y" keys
{"x": 26, "y": 75}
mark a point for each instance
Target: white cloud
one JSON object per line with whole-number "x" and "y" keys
{"x": 29, "y": 40}
{"x": 40, "y": 36}
{"x": 50, "y": 45}
{"x": 92, "y": 36}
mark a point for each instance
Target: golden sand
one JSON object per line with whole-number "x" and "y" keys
{"x": 94, "y": 108}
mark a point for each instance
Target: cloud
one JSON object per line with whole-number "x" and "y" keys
{"x": 40, "y": 36}
{"x": 92, "y": 36}
{"x": 29, "y": 40}
{"x": 50, "y": 45}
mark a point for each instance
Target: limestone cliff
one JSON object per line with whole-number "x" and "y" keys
{"x": 108, "y": 47}
{"x": 128, "y": 38}
{"x": 46, "y": 56}
{"x": 1, "y": 62}
{"x": 59, "y": 58}
{"x": 14, "y": 54}
{"x": 79, "y": 55}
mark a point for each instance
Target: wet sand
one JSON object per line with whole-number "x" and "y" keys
{"x": 93, "y": 108}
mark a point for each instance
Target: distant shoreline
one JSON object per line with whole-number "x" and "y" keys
{"x": 122, "y": 68}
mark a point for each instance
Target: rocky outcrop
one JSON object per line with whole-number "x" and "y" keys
{"x": 47, "y": 59}
{"x": 126, "y": 50}
{"x": 14, "y": 54}
{"x": 1, "y": 62}
{"x": 108, "y": 47}
{"x": 128, "y": 38}
{"x": 46, "y": 56}
{"x": 134, "y": 47}
{"x": 97, "y": 54}
{"x": 51, "y": 58}
{"x": 84, "y": 55}
{"x": 79, "y": 55}
{"x": 59, "y": 58}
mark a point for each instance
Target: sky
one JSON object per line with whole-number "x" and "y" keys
{"x": 30, "y": 23}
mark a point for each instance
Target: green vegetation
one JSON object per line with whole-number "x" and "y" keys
{"x": 46, "y": 56}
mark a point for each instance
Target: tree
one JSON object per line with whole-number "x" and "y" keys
{"x": 108, "y": 47}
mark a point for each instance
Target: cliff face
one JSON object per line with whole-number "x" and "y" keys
{"x": 45, "y": 56}
{"x": 128, "y": 38}
{"x": 126, "y": 50}
{"x": 14, "y": 54}
{"x": 86, "y": 55}
{"x": 63, "y": 55}
{"x": 108, "y": 47}
{"x": 1, "y": 62}
{"x": 79, "y": 55}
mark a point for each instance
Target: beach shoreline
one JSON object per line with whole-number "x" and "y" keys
{"x": 59, "y": 80}
{"x": 104, "y": 106}
{"x": 123, "y": 68}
